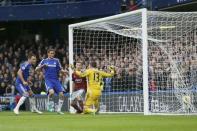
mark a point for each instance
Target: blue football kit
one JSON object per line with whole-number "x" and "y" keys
{"x": 51, "y": 73}
{"x": 22, "y": 89}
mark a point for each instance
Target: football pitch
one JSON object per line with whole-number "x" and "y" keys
{"x": 27, "y": 121}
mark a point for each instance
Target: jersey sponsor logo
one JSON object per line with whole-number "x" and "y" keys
{"x": 78, "y": 80}
{"x": 130, "y": 103}
{"x": 51, "y": 65}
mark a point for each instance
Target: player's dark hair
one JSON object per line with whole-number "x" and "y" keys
{"x": 31, "y": 55}
{"x": 93, "y": 64}
{"x": 50, "y": 49}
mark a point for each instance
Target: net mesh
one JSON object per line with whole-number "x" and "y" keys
{"x": 172, "y": 61}
{"x": 172, "y": 48}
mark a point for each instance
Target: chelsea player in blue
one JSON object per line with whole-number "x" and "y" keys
{"x": 22, "y": 84}
{"x": 51, "y": 67}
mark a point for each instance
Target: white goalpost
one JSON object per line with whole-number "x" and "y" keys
{"x": 155, "y": 56}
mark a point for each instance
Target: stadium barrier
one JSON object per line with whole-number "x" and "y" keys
{"x": 124, "y": 102}
{"x": 133, "y": 101}
{"x": 41, "y": 103}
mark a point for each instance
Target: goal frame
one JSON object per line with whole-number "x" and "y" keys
{"x": 144, "y": 50}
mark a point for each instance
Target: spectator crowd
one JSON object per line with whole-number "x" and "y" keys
{"x": 172, "y": 64}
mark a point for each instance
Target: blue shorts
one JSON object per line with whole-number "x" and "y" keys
{"x": 23, "y": 90}
{"x": 54, "y": 84}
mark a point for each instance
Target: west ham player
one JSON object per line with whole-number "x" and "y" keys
{"x": 79, "y": 90}
{"x": 22, "y": 84}
{"x": 51, "y": 67}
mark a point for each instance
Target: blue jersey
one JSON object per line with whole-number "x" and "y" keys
{"x": 25, "y": 68}
{"x": 52, "y": 68}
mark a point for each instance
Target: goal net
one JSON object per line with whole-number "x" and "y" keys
{"x": 154, "y": 54}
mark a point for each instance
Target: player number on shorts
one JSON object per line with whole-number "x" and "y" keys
{"x": 96, "y": 77}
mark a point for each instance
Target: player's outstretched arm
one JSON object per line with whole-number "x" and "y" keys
{"x": 84, "y": 74}
{"x": 39, "y": 67}
{"x": 111, "y": 74}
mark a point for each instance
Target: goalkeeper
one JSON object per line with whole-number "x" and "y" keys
{"x": 94, "y": 88}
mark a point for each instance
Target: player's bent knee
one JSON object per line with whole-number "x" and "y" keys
{"x": 61, "y": 95}
{"x": 31, "y": 94}
{"x": 78, "y": 98}
{"x": 51, "y": 92}
{"x": 26, "y": 94}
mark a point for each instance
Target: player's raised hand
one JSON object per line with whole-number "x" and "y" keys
{"x": 71, "y": 66}
{"x": 112, "y": 68}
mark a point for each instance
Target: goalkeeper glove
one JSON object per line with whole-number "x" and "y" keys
{"x": 71, "y": 66}
{"x": 111, "y": 68}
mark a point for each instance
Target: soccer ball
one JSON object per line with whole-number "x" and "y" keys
{"x": 186, "y": 99}
{"x": 72, "y": 110}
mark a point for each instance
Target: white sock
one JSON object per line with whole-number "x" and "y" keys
{"x": 50, "y": 104}
{"x": 20, "y": 102}
{"x": 60, "y": 103}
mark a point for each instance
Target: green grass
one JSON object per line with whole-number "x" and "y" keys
{"x": 27, "y": 121}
